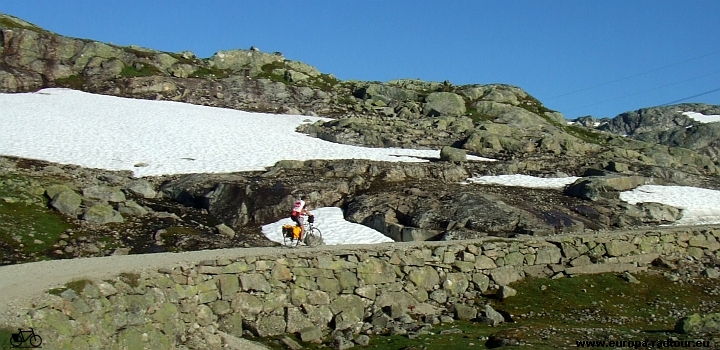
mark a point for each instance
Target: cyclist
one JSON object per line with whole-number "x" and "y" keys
{"x": 298, "y": 209}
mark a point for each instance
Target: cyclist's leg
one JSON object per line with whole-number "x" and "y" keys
{"x": 301, "y": 223}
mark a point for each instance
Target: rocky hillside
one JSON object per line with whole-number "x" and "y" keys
{"x": 668, "y": 125}
{"x": 404, "y": 201}
{"x": 491, "y": 120}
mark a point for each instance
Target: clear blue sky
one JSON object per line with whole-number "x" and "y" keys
{"x": 579, "y": 57}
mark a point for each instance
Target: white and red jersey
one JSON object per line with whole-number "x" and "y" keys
{"x": 298, "y": 207}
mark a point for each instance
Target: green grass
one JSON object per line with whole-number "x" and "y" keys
{"x": 478, "y": 117}
{"x": 5, "y": 334}
{"x": 10, "y": 24}
{"x": 77, "y": 286}
{"x": 132, "y": 279}
{"x": 27, "y": 218}
{"x": 559, "y": 310}
{"x": 267, "y": 72}
{"x": 324, "y": 82}
{"x": 73, "y": 82}
{"x": 580, "y": 132}
{"x": 146, "y": 71}
{"x": 139, "y": 53}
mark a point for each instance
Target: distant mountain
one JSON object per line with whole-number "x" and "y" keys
{"x": 671, "y": 126}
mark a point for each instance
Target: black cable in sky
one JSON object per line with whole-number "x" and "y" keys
{"x": 633, "y": 76}
{"x": 644, "y": 91}
{"x": 689, "y": 97}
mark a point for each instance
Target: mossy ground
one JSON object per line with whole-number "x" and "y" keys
{"x": 76, "y": 82}
{"x": 554, "y": 314}
{"x": 76, "y": 285}
{"x": 145, "y": 70}
{"x": 5, "y": 334}
{"x": 27, "y": 227}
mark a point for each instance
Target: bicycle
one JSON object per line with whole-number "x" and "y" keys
{"x": 313, "y": 235}
{"x": 16, "y": 339}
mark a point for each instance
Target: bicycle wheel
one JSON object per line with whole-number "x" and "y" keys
{"x": 289, "y": 241}
{"x": 313, "y": 238}
{"x": 15, "y": 343}
{"x": 35, "y": 340}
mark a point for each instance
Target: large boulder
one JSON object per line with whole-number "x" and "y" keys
{"x": 237, "y": 60}
{"x": 102, "y": 214}
{"x": 451, "y": 154}
{"x": 444, "y": 103}
{"x": 594, "y": 187}
{"x": 66, "y": 202}
{"x": 105, "y": 193}
{"x": 697, "y": 323}
{"x": 142, "y": 188}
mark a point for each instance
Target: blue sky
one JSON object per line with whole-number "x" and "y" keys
{"x": 579, "y": 57}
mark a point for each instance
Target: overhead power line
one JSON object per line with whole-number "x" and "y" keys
{"x": 689, "y": 97}
{"x": 655, "y": 88}
{"x": 635, "y": 75}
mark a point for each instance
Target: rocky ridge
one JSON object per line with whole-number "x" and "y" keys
{"x": 493, "y": 120}
{"x": 667, "y": 125}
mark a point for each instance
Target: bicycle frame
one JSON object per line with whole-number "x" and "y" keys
{"x": 22, "y": 333}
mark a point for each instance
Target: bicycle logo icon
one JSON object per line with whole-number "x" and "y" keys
{"x": 17, "y": 339}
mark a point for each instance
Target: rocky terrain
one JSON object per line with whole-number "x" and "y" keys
{"x": 60, "y": 211}
{"x": 668, "y": 126}
{"x": 105, "y": 212}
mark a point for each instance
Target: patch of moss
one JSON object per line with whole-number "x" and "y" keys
{"x": 6, "y": 22}
{"x": 179, "y": 230}
{"x": 27, "y": 228}
{"x": 77, "y": 286}
{"x": 560, "y": 310}
{"x": 476, "y": 116}
{"x": 132, "y": 279}
{"x": 145, "y": 71}
{"x": 582, "y": 133}
{"x": 586, "y": 135}
{"x": 138, "y": 53}
{"x": 533, "y": 105}
{"x": 75, "y": 82}
{"x": 324, "y": 82}
{"x": 608, "y": 295}
{"x": 5, "y": 334}
{"x": 267, "y": 72}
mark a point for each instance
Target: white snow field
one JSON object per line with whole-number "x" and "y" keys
{"x": 335, "y": 229}
{"x": 73, "y": 127}
{"x": 700, "y": 206}
{"x": 520, "y": 180}
{"x": 703, "y": 118}
{"x": 107, "y": 132}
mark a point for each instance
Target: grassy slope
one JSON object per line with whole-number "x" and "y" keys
{"x": 566, "y": 310}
